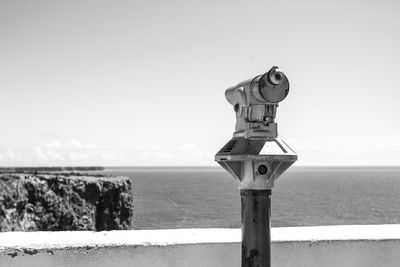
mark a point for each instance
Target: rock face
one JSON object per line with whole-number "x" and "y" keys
{"x": 64, "y": 201}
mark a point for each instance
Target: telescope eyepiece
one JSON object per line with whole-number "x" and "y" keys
{"x": 276, "y": 76}
{"x": 274, "y": 85}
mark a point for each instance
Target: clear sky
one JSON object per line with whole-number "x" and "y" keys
{"x": 142, "y": 82}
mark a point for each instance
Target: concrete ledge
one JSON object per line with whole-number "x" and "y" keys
{"x": 354, "y": 245}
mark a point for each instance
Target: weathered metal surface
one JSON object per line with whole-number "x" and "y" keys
{"x": 256, "y": 228}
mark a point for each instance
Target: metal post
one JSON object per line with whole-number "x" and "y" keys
{"x": 256, "y": 227}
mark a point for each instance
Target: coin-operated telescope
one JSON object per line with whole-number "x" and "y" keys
{"x": 256, "y": 157}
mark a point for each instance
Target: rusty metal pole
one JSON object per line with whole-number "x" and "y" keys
{"x": 256, "y": 228}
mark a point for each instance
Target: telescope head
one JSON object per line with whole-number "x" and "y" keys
{"x": 255, "y": 102}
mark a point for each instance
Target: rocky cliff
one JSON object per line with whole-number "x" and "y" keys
{"x": 64, "y": 201}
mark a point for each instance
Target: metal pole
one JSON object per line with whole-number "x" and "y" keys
{"x": 256, "y": 227}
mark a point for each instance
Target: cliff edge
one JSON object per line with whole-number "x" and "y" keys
{"x": 64, "y": 202}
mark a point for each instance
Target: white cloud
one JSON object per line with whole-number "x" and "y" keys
{"x": 360, "y": 143}
{"x": 108, "y": 156}
{"x": 47, "y": 154}
{"x": 56, "y": 151}
{"x": 193, "y": 152}
{"x": 11, "y": 154}
{"x": 53, "y": 144}
{"x": 61, "y": 152}
{"x": 78, "y": 156}
{"x": 166, "y": 155}
{"x": 155, "y": 147}
{"x": 55, "y": 155}
{"x": 361, "y": 150}
{"x": 76, "y": 144}
{"x": 67, "y": 144}
{"x": 39, "y": 153}
{"x": 145, "y": 154}
{"x": 186, "y": 154}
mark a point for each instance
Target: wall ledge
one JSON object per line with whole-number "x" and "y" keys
{"x": 328, "y": 246}
{"x": 137, "y": 238}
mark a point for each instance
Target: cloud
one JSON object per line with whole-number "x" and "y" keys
{"x": 39, "y": 153}
{"x": 78, "y": 156}
{"x": 145, "y": 154}
{"x": 64, "y": 152}
{"x": 349, "y": 144}
{"x": 156, "y": 152}
{"x": 11, "y": 154}
{"x": 47, "y": 154}
{"x": 155, "y": 147}
{"x": 53, "y": 144}
{"x": 68, "y": 144}
{"x": 354, "y": 150}
{"x": 192, "y": 151}
{"x": 362, "y": 150}
{"x": 166, "y": 155}
{"x": 112, "y": 155}
{"x": 108, "y": 156}
{"x": 58, "y": 151}
{"x": 76, "y": 144}
{"x": 188, "y": 153}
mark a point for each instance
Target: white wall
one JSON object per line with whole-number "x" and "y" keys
{"x": 374, "y": 245}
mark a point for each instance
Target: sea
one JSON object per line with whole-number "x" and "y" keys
{"x": 208, "y": 197}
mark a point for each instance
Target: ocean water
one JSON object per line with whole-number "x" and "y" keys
{"x": 203, "y": 197}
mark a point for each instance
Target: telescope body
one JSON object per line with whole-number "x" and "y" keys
{"x": 255, "y": 102}
{"x": 255, "y": 156}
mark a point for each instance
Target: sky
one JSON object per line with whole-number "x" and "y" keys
{"x": 141, "y": 83}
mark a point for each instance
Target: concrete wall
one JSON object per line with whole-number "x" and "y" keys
{"x": 373, "y": 245}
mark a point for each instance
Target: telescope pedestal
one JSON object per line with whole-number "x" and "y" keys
{"x": 256, "y": 157}
{"x": 256, "y": 227}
